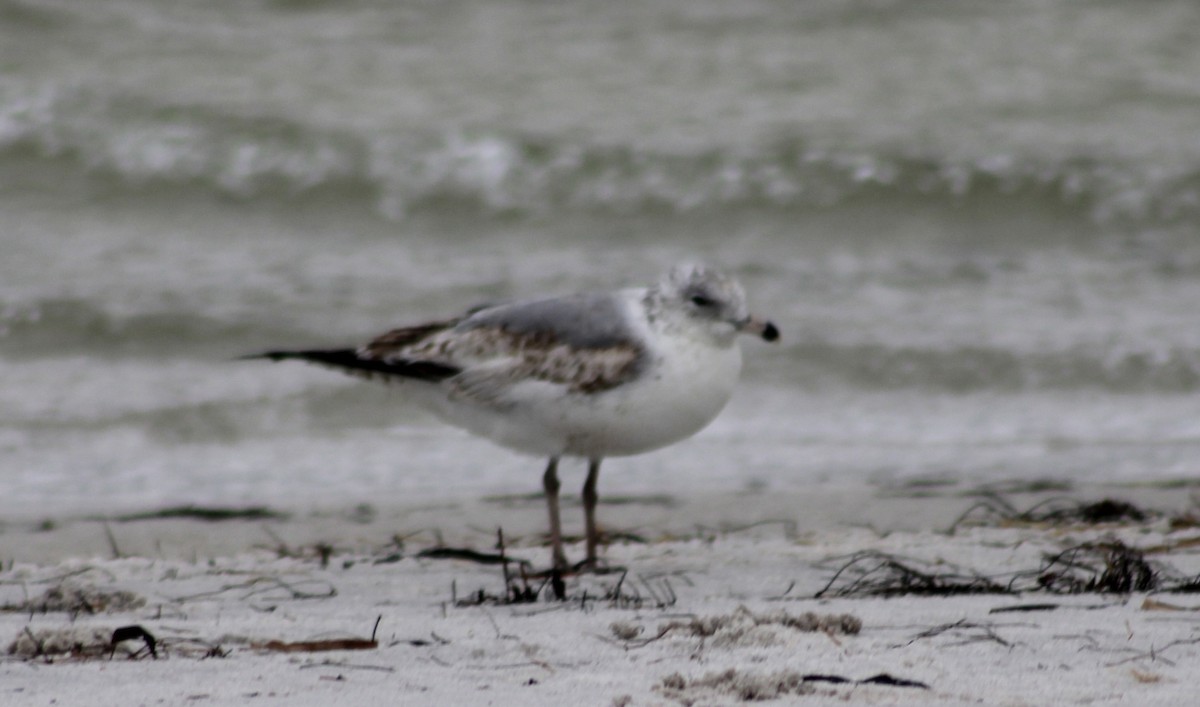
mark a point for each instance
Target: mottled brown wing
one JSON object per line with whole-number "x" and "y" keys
{"x": 580, "y": 342}
{"x": 395, "y": 342}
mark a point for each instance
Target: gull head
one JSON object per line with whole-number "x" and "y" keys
{"x": 713, "y": 302}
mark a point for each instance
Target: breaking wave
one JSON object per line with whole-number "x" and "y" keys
{"x": 143, "y": 145}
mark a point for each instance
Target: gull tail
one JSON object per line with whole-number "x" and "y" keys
{"x": 352, "y": 361}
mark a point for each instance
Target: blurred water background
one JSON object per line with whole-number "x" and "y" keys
{"x": 975, "y": 222}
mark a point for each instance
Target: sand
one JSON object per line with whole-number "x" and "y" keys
{"x": 716, "y": 604}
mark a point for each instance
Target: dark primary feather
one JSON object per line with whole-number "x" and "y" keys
{"x": 349, "y": 360}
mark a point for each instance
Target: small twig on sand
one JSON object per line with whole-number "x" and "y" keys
{"x": 454, "y": 553}
{"x": 331, "y": 644}
{"x": 260, "y": 585}
{"x": 352, "y": 666}
{"x": 986, "y": 631}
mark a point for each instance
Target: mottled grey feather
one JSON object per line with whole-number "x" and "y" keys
{"x": 582, "y": 321}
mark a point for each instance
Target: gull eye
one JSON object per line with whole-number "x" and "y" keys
{"x": 702, "y": 301}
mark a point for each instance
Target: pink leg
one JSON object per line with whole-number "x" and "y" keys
{"x": 590, "y": 497}
{"x": 550, "y": 485}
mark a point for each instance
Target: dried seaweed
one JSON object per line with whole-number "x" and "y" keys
{"x": 1105, "y": 567}
{"x": 79, "y": 599}
{"x": 877, "y": 574}
{"x": 82, "y": 643}
{"x": 211, "y": 514}
{"x": 742, "y": 627}
{"x": 1054, "y": 511}
{"x": 748, "y": 686}
{"x": 514, "y": 593}
{"x": 517, "y": 589}
{"x": 1109, "y": 567}
{"x": 76, "y": 642}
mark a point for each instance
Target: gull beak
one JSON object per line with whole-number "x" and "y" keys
{"x": 760, "y": 327}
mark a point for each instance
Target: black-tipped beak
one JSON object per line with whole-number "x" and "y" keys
{"x": 761, "y": 327}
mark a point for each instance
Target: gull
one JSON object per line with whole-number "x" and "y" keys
{"x": 589, "y": 375}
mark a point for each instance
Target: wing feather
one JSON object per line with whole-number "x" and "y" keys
{"x": 581, "y": 343}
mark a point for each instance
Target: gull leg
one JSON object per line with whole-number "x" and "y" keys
{"x": 590, "y": 497}
{"x": 550, "y": 485}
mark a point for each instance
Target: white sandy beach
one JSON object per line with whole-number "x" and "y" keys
{"x": 713, "y": 609}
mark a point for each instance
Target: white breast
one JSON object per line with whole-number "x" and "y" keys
{"x": 687, "y": 385}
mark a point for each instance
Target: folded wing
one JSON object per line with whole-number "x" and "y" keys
{"x": 582, "y": 343}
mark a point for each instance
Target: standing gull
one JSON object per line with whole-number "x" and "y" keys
{"x": 589, "y": 375}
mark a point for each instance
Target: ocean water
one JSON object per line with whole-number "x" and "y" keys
{"x": 977, "y": 225}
